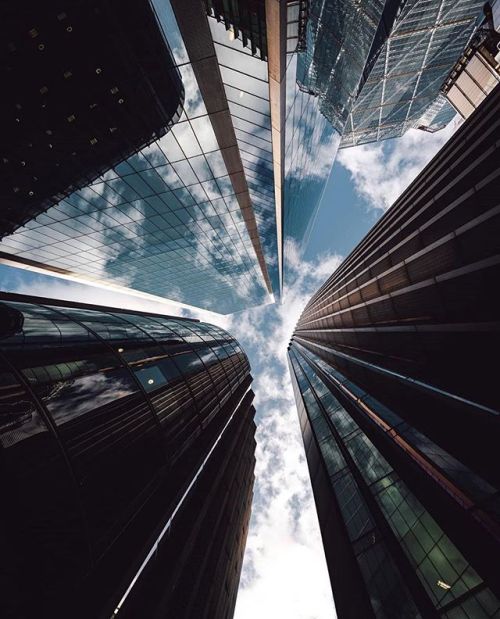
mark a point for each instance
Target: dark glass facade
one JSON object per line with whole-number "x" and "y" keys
{"x": 84, "y": 87}
{"x": 393, "y": 368}
{"x": 127, "y": 456}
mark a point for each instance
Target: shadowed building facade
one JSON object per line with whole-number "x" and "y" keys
{"x": 127, "y": 457}
{"x": 392, "y": 363}
{"x": 83, "y": 89}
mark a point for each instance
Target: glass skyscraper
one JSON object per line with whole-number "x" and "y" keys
{"x": 392, "y": 364}
{"x": 377, "y": 69}
{"x": 191, "y": 216}
{"x": 127, "y": 455}
{"x": 362, "y": 72}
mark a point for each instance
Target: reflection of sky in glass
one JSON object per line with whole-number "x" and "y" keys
{"x": 402, "y": 90}
{"x": 372, "y": 87}
{"x": 247, "y": 91}
{"x": 429, "y": 550}
{"x": 74, "y": 397}
{"x": 166, "y": 221}
{"x": 311, "y": 145}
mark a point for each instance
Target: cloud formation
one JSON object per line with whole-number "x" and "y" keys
{"x": 284, "y": 570}
{"x": 381, "y": 171}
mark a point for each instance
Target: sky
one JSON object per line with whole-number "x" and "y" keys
{"x": 284, "y": 571}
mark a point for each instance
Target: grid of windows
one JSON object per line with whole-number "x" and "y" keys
{"x": 338, "y": 47}
{"x": 167, "y": 221}
{"x": 377, "y": 68}
{"x": 311, "y": 144}
{"x": 388, "y": 594}
{"x": 402, "y": 90}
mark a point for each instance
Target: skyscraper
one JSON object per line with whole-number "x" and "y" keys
{"x": 127, "y": 455}
{"x": 363, "y": 72}
{"x": 80, "y": 95}
{"x": 393, "y": 368}
{"x": 190, "y": 217}
{"x": 378, "y": 68}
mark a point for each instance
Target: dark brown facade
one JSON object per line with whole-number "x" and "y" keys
{"x": 393, "y": 365}
{"x": 127, "y": 457}
{"x": 84, "y": 86}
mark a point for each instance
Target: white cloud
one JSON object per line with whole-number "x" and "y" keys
{"x": 381, "y": 171}
{"x": 284, "y": 570}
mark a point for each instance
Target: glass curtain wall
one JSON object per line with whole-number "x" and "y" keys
{"x": 311, "y": 144}
{"x": 245, "y": 78}
{"x": 402, "y": 89}
{"x": 167, "y": 221}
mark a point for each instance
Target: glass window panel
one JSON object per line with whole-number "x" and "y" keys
{"x": 157, "y": 374}
{"x": 139, "y": 186}
{"x": 246, "y": 139}
{"x": 169, "y": 176}
{"x": 244, "y": 63}
{"x": 211, "y": 189}
{"x": 170, "y": 147}
{"x": 216, "y": 163}
{"x": 154, "y": 155}
{"x": 248, "y": 100}
{"x": 185, "y": 172}
{"x": 253, "y": 130}
{"x": 200, "y": 167}
{"x": 184, "y": 198}
{"x": 245, "y": 82}
{"x": 188, "y": 363}
{"x": 251, "y": 116}
{"x": 203, "y": 130}
{"x": 138, "y": 162}
{"x": 186, "y": 139}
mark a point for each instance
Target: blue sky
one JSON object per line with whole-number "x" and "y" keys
{"x": 284, "y": 573}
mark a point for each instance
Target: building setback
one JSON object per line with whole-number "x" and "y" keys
{"x": 393, "y": 367}
{"x": 127, "y": 456}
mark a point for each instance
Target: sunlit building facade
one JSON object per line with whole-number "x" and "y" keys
{"x": 127, "y": 448}
{"x": 477, "y": 72}
{"x": 392, "y": 364}
{"x": 377, "y": 69}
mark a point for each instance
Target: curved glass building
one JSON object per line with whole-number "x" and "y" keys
{"x": 127, "y": 455}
